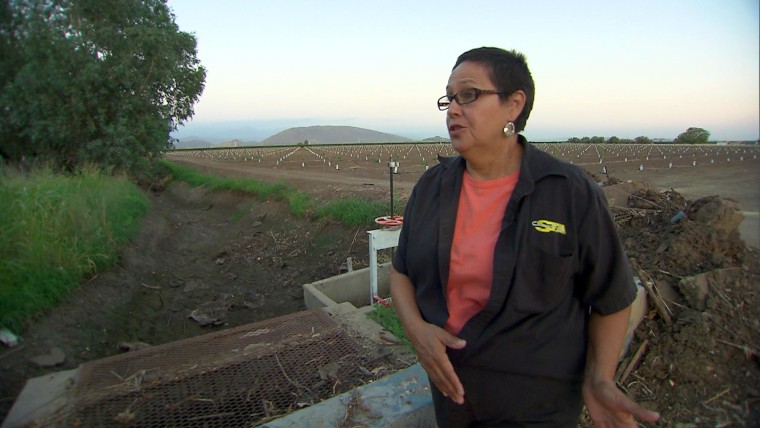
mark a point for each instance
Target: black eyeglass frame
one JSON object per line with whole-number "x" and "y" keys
{"x": 445, "y": 101}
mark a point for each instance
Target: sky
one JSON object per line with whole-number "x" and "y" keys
{"x": 601, "y": 68}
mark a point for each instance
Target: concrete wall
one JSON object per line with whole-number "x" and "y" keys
{"x": 352, "y": 287}
{"x": 400, "y": 400}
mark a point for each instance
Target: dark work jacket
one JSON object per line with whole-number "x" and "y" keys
{"x": 557, "y": 257}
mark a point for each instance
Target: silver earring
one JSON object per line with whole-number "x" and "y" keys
{"x": 509, "y": 129}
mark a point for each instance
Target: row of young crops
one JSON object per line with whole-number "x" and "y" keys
{"x": 418, "y": 157}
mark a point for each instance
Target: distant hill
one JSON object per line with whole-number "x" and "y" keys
{"x": 436, "y": 139}
{"x": 192, "y": 143}
{"x": 331, "y": 135}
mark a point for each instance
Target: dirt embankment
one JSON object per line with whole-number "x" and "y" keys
{"x": 203, "y": 261}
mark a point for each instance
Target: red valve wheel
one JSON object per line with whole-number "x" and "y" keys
{"x": 390, "y": 220}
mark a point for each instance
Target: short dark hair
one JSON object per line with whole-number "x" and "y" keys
{"x": 509, "y": 73}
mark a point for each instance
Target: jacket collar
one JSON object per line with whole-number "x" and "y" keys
{"x": 534, "y": 165}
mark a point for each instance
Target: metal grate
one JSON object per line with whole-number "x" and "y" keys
{"x": 238, "y": 377}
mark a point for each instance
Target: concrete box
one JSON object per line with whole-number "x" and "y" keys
{"x": 352, "y": 287}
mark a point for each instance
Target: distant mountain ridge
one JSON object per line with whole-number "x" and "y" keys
{"x": 328, "y": 134}
{"x": 322, "y": 134}
{"x": 192, "y": 143}
{"x": 436, "y": 139}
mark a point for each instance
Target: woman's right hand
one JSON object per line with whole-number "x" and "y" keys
{"x": 430, "y": 342}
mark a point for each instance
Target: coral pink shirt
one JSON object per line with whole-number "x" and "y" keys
{"x": 481, "y": 209}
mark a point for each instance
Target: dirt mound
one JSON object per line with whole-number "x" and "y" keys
{"x": 698, "y": 359}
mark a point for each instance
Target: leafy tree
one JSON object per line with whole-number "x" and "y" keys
{"x": 101, "y": 81}
{"x": 642, "y": 140}
{"x": 597, "y": 140}
{"x": 10, "y": 62}
{"x": 693, "y": 136}
{"x": 613, "y": 140}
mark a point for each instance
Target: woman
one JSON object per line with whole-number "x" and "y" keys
{"x": 509, "y": 277}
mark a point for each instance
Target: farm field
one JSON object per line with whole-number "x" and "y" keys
{"x": 330, "y": 171}
{"x": 698, "y": 369}
{"x": 244, "y": 260}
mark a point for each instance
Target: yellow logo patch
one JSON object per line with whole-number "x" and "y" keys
{"x": 547, "y": 226}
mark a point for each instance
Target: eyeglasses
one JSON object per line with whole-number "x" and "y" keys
{"x": 465, "y": 96}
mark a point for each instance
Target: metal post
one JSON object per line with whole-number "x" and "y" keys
{"x": 392, "y": 167}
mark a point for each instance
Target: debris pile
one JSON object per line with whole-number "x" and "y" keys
{"x": 694, "y": 358}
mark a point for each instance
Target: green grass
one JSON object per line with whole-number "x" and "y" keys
{"x": 386, "y": 316}
{"x": 300, "y": 204}
{"x": 352, "y": 212}
{"x": 57, "y": 230}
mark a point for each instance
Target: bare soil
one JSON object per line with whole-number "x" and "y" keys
{"x": 212, "y": 260}
{"x": 203, "y": 261}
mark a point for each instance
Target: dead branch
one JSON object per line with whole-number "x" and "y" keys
{"x": 720, "y": 394}
{"x": 11, "y": 351}
{"x": 659, "y": 302}
{"x": 352, "y": 242}
{"x": 669, "y": 274}
{"x": 152, "y": 287}
{"x": 634, "y": 361}
{"x": 749, "y": 352}
{"x": 296, "y": 384}
{"x": 639, "y": 211}
{"x": 648, "y": 201}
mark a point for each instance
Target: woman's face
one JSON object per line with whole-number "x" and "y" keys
{"x": 477, "y": 126}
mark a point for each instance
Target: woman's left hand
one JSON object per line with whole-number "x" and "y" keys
{"x": 609, "y": 407}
